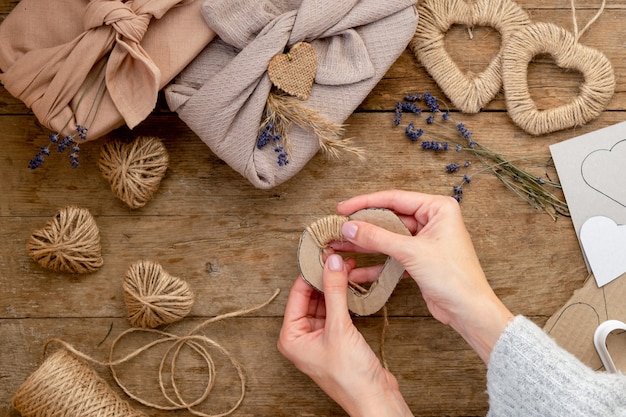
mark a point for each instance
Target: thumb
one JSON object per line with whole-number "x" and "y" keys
{"x": 376, "y": 239}
{"x": 335, "y": 284}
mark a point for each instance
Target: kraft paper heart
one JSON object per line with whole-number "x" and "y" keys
{"x": 546, "y": 38}
{"x": 469, "y": 92}
{"x": 602, "y": 170}
{"x": 70, "y": 242}
{"x": 604, "y": 243}
{"x": 134, "y": 170}
{"x": 153, "y": 297}
{"x": 294, "y": 72}
{"x": 317, "y": 236}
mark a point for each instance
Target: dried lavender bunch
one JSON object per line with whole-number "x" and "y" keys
{"x": 536, "y": 190}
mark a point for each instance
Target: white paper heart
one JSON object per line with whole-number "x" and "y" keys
{"x": 604, "y": 243}
{"x": 602, "y": 170}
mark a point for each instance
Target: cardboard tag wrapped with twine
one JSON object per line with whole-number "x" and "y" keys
{"x": 97, "y": 63}
{"x": 222, "y": 95}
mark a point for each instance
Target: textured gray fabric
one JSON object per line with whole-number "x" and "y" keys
{"x": 222, "y": 93}
{"x": 530, "y": 375}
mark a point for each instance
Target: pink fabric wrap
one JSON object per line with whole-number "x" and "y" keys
{"x": 221, "y": 95}
{"x": 55, "y": 54}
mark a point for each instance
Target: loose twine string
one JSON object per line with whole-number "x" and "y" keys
{"x": 32, "y": 394}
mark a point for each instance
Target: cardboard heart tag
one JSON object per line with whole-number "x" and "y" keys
{"x": 467, "y": 91}
{"x": 134, "y": 170}
{"x": 541, "y": 38}
{"x": 604, "y": 243}
{"x": 312, "y": 265}
{"x": 294, "y": 72}
{"x": 70, "y": 242}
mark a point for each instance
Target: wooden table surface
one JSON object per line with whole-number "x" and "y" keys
{"x": 235, "y": 244}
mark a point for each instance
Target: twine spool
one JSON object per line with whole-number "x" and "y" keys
{"x": 70, "y": 242}
{"x": 153, "y": 297}
{"x": 134, "y": 170}
{"x": 64, "y": 385}
{"x": 595, "y": 92}
{"x": 469, "y": 92}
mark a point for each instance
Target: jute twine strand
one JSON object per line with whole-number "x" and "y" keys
{"x": 153, "y": 297}
{"x": 70, "y": 242}
{"x": 134, "y": 170}
{"x": 469, "y": 92}
{"x": 326, "y": 229}
{"x": 595, "y": 92}
{"x": 73, "y": 393}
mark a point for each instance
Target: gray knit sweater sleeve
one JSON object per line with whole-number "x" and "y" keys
{"x": 530, "y": 375}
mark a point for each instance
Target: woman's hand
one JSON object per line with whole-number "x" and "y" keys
{"x": 318, "y": 336}
{"x": 439, "y": 256}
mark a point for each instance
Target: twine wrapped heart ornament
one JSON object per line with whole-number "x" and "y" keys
{"x": 327, "y": 229}
{"x": 134, "y": 170}
{"x": 153, "y": 297}
{"x": 467, "y": 91}
{"x": 595, "y": 92}
{"x": 294, "y": 72}
{"x": 70, "y": 242}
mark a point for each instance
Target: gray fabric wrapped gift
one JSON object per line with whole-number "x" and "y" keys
{"x": 222, "y": 94}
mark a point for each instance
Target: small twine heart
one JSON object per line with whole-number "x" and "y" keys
{"x": 595, "y": 92}
{"x": 327, "y": 229}
{"x": 153, "y": 297}
{"x": 294, "y": 72}
{"x": 70, "y": 242}
{"x": 469, "y": 92}
{"x": 134, "y": 170}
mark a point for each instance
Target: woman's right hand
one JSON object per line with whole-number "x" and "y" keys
{"x": 440, "y": 257}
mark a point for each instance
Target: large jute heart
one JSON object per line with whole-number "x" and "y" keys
{"x": 294, "y": 72}
{"x": 546, "y": 38}
{"x": 154, "y": 297}
{"x": 469, "y": 92}
{"x": 70, "y": 242}
{"x": 327, "y": 229}
{"x": 134, "y": 170}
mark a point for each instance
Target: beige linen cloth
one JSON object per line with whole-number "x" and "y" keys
{"x": 55, "y": 53}
{"x": 221, "y": 95}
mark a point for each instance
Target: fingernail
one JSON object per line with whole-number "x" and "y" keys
{"x": 335, "y": 262}
{"x": 349, "y": 230}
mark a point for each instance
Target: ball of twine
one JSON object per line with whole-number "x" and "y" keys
{"x": 469, "y": 92}
{"x": 153, "y": 297}
{"x": 66, "y": 386}
{"x": 70, "y": 242}
{"x": 595, "y": 92}
{"x": 134, "y": 170}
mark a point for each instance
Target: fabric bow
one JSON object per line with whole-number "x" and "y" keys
{"x": 52, "y": 79}
{"x": 222, "y": 94}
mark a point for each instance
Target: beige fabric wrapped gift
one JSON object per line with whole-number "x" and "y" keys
{"x": 60, "y": 57}
{"x": 223, "y": 92}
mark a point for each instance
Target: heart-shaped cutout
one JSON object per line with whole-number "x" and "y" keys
{"x": 294, "y": 72}
{"x": 468, "y": 92}
{"x": 153, "y": 297}
{"x": 546, "y": 38}
{"x": 317, "y": 236}
{"x": 602, "y": 170}
{"x": 604, "y": 243}
{"x": 134, "y": 170}
{"x": 70, "y": 242}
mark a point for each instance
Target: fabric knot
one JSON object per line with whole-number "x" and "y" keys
{"x": 126, "y": 22}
